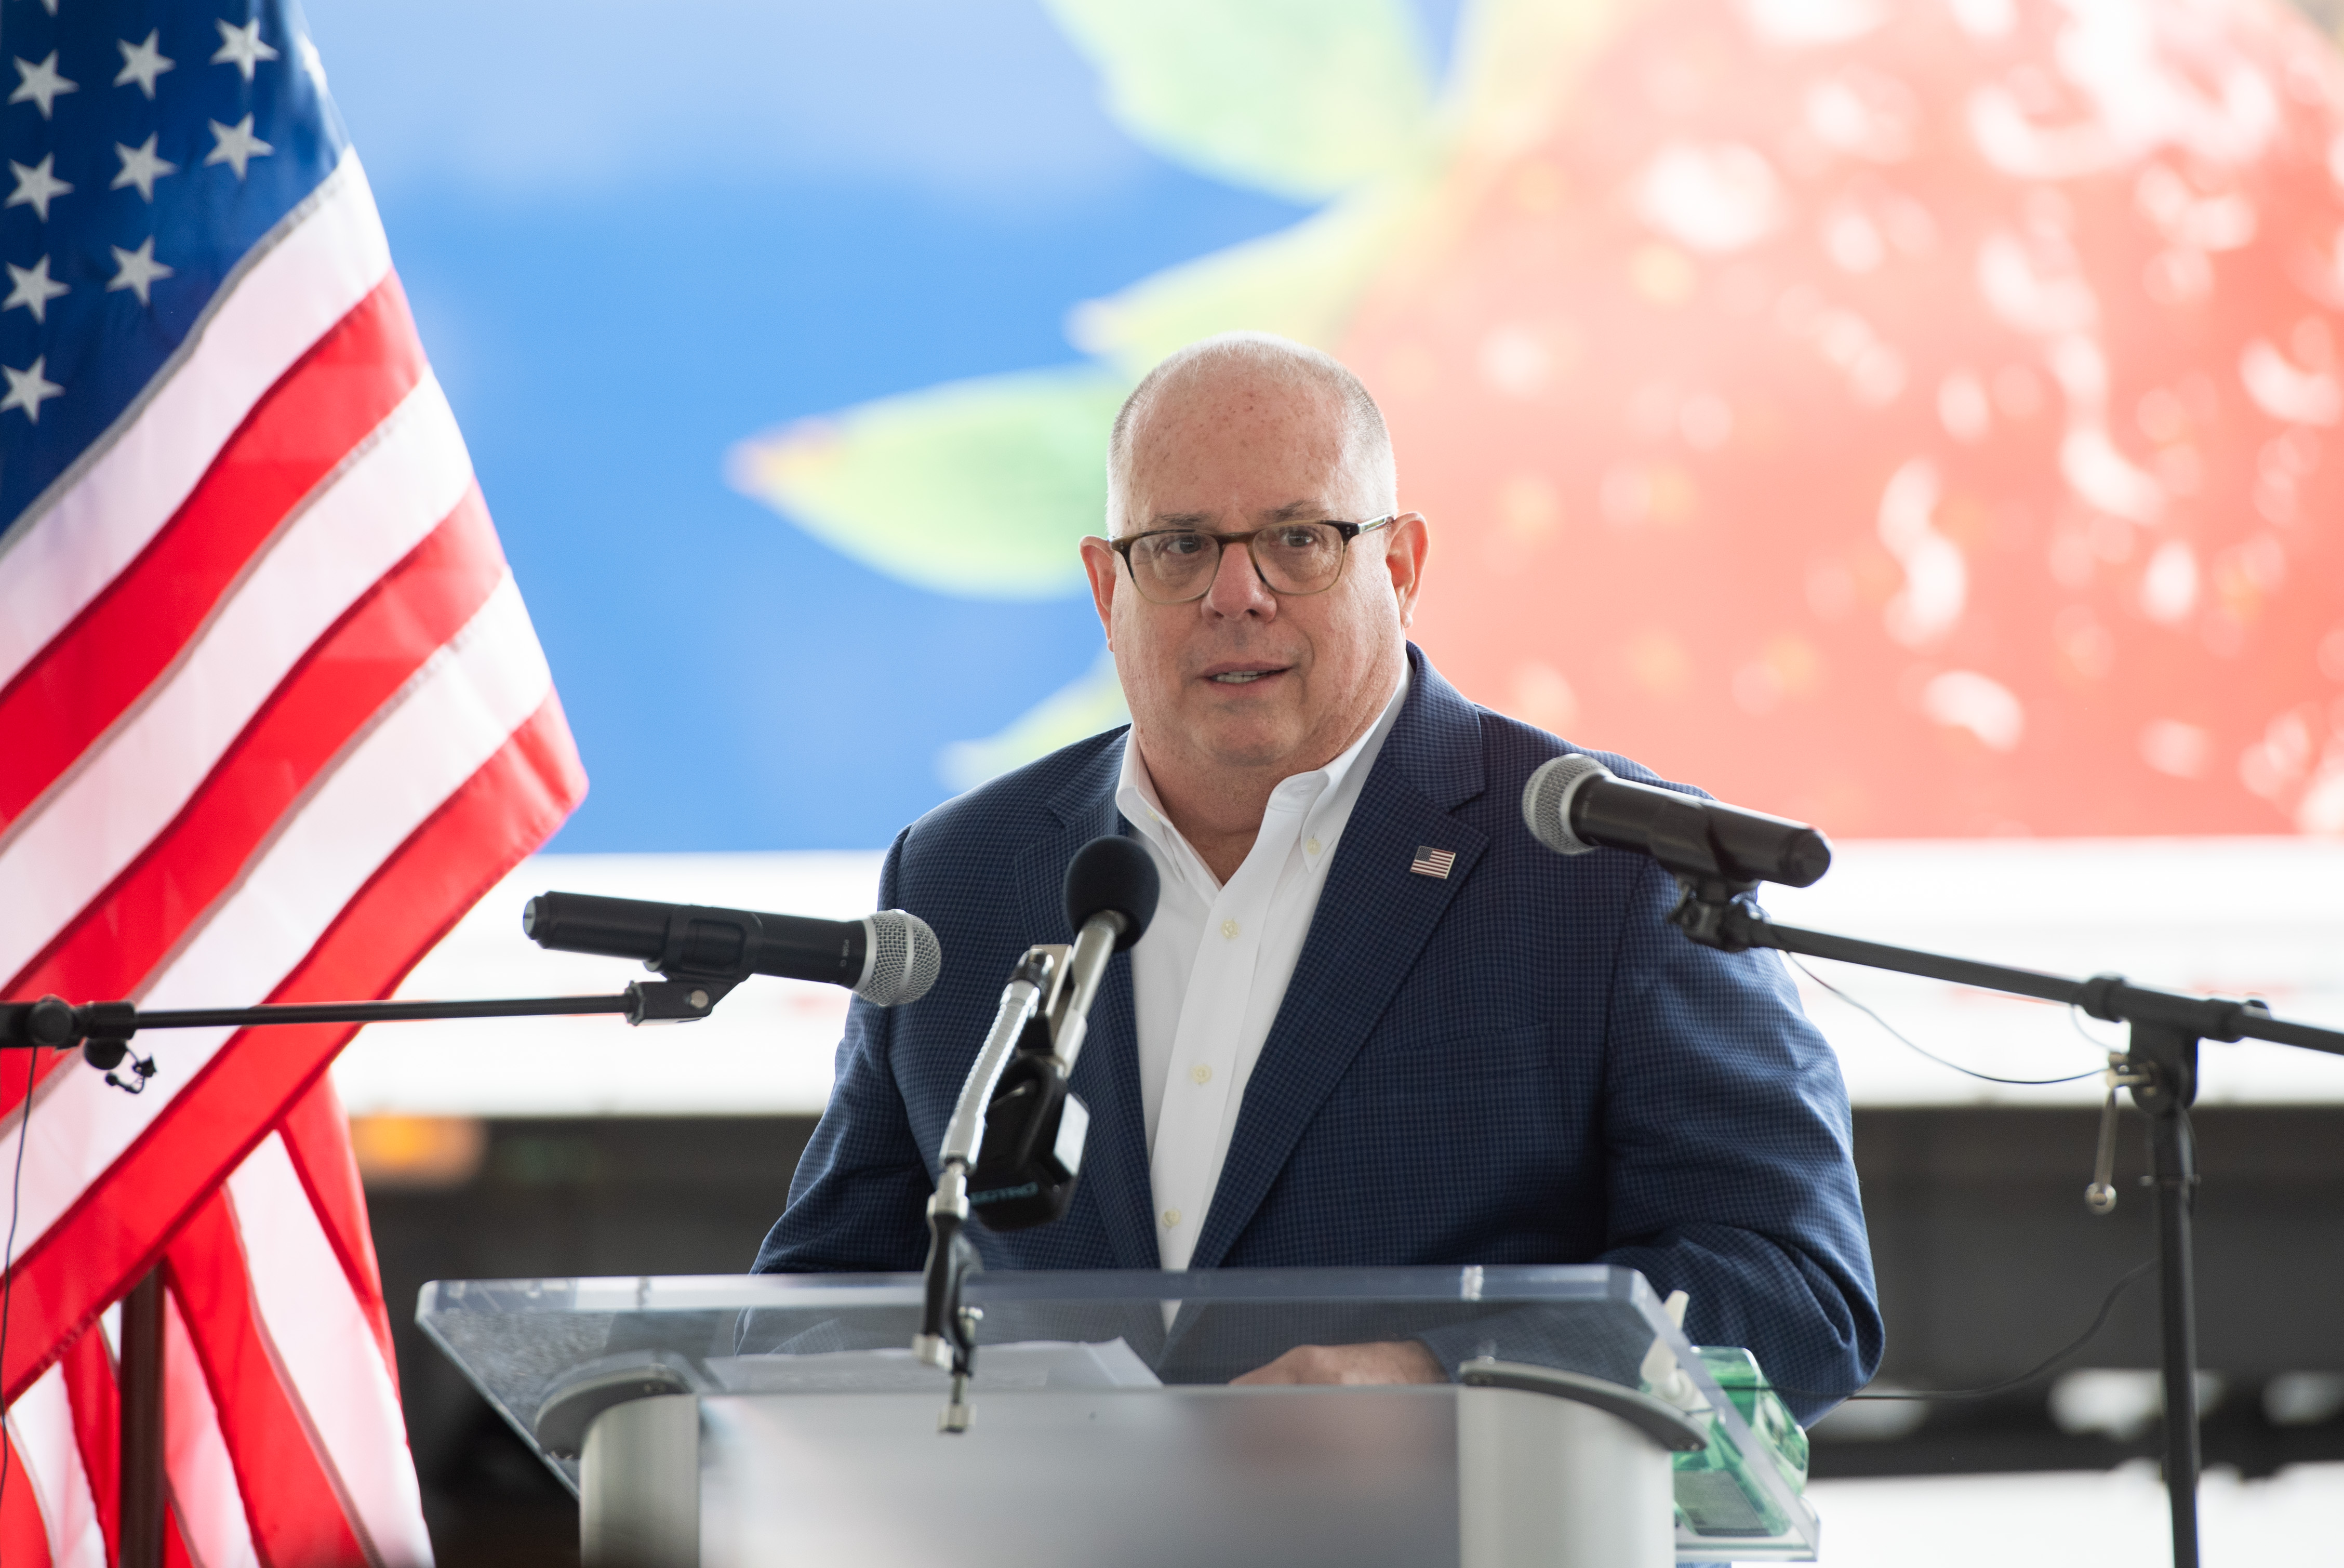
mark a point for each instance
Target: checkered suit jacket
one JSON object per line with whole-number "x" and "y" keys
{"x": 1518, "y": 1063}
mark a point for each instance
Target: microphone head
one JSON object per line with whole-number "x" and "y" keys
{"x": 1116, "y": 874}
{"x": 1546, "y": 800}
{"x": 902, "y": 958}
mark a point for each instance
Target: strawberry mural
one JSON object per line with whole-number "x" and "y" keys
{"x": 1920, "y": 418}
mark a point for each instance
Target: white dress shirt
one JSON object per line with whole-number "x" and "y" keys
{"x": 1209, "y": 974}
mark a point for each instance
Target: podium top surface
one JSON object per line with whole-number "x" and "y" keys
{"x": 523, "y": 1342}
{"x": 650, "y": 1293}
{"x": 543, "y": 1351}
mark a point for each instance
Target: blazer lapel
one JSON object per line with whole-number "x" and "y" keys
{"x": 1106, "y": 1076}
{"x": 1374, "y": 917}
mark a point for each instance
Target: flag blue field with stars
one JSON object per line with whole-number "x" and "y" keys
{"x": 633, "y": 242}
{"x": 148, "y": 154}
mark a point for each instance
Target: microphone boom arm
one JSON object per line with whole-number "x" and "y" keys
{"x": 103, "y": 1029}
{"x": 2158, "y": 1066}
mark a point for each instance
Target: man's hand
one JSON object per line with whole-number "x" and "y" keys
{"x": 1386, "y": 1362}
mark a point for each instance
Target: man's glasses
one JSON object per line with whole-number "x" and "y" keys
{"x": 1178, "y": 566}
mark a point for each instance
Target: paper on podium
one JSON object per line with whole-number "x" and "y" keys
{"x": 1027, "y": 1364}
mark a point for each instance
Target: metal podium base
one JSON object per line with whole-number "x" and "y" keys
{"x": 639, "y": 1485}
{"x": 1543, "y": 1482}
{"x": 1244, "y": 1478}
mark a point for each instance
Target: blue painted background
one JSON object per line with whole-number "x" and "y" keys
{"x": 634, "y": 236}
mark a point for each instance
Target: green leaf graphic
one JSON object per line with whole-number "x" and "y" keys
{"x": 978, "y": 489}
{"x": 1302, "y": 283}
{"x": 1304, "y": 98}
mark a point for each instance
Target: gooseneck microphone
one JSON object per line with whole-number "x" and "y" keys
{"x": 1014, "y": 1146}
{"x": 1111, "y": 893}
{"x": 1574, "y": 803}
{"x": 1033, "y": 1130}
{"x": 888, "y": 958}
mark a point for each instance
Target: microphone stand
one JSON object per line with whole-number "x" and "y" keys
{"x": 1043, "y": 1019}
{"x": 2160, "y": 1066}
{"x": 948, "y": 1334}
{"x": 103, "y": 1029}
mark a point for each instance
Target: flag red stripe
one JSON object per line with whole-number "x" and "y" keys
{"x": 95, "y": 1249}
{"x": 266, "y": 1440}
{"x": 97, "y": 1411}
{"x": 317, "y": 1137}
{"x": 175, "y": 1542}
{"x": 67, "y": 697}
{"x": 24, "y": 1533}
{"x": 117, "y": 941}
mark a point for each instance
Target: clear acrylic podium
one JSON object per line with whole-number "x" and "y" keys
{"x": 783, "y": 1419}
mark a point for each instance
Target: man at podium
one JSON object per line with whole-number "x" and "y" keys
{"x": 1374, "y": 1021}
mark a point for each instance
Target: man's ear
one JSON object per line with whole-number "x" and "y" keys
{"x": 1408, "y": 540}
{"x": 1099, "y": 564}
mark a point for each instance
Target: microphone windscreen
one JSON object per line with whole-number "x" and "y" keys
{"x": 1546, "y": 800}
{"x": 1117, "y": 874}
{"x": 905, "y": 959}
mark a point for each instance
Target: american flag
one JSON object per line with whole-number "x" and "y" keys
{"x": 1431, "y": 862}
{"x": 272, "y": 717}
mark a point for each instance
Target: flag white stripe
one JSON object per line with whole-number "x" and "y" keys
{"x": 196, "y": 1457}
{"x": 55, "y": 562}
{"x": 41, "y": 1425}
{"x": 66, "y": 847}
{"x": 326, "y": 1349}
{"x": 452, "y": 716}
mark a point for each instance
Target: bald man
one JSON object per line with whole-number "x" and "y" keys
{"x": 1374, "y": 1022}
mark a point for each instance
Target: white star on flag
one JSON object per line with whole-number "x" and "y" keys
{"x": 40, "y": 83}
{"x": 139, "y": 269}
{"x": 242, "y": 47}
{"x": 235, "y": 144}
{"x": 141, "y": 167}
{"x": 142, "y": 63}
{"x": 32, "y": 288}
{"x": 204, "y": 773}
{"x": 28, "y": 388}
{"x": 37, "y": 186}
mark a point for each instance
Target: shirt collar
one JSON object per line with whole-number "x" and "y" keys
{"x": 1136, "y": 797}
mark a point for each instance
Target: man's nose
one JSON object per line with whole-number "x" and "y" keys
{"x": 1237, "y": 588}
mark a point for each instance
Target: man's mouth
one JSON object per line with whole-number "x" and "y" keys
{"x": 1241, "y": 677}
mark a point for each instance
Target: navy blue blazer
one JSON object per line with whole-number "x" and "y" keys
{"x": 1519, "y": 1063}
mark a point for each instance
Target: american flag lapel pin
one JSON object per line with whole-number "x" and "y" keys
{"x": 1431, "y": 862}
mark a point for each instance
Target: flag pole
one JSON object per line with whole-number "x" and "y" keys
{"x": 140, "y": 1376}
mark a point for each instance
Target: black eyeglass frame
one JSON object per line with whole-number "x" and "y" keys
{"x": 1221, "y": 542}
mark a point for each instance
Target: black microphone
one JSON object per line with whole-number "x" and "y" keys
{"x": 1014, "y": 1146}
{"x": 1573, "y": 803}
{"x": 888, "y": 958}
{"x": 1034, "y": 1130}
{"x": 1112, "y": 887}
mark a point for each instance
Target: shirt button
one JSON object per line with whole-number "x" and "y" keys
{"x": 1230, "y": 929}
{"x": 1201, "y": 1073}
{"x": 1311, "y": 848}
{"x": 1171, "y": 1217}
